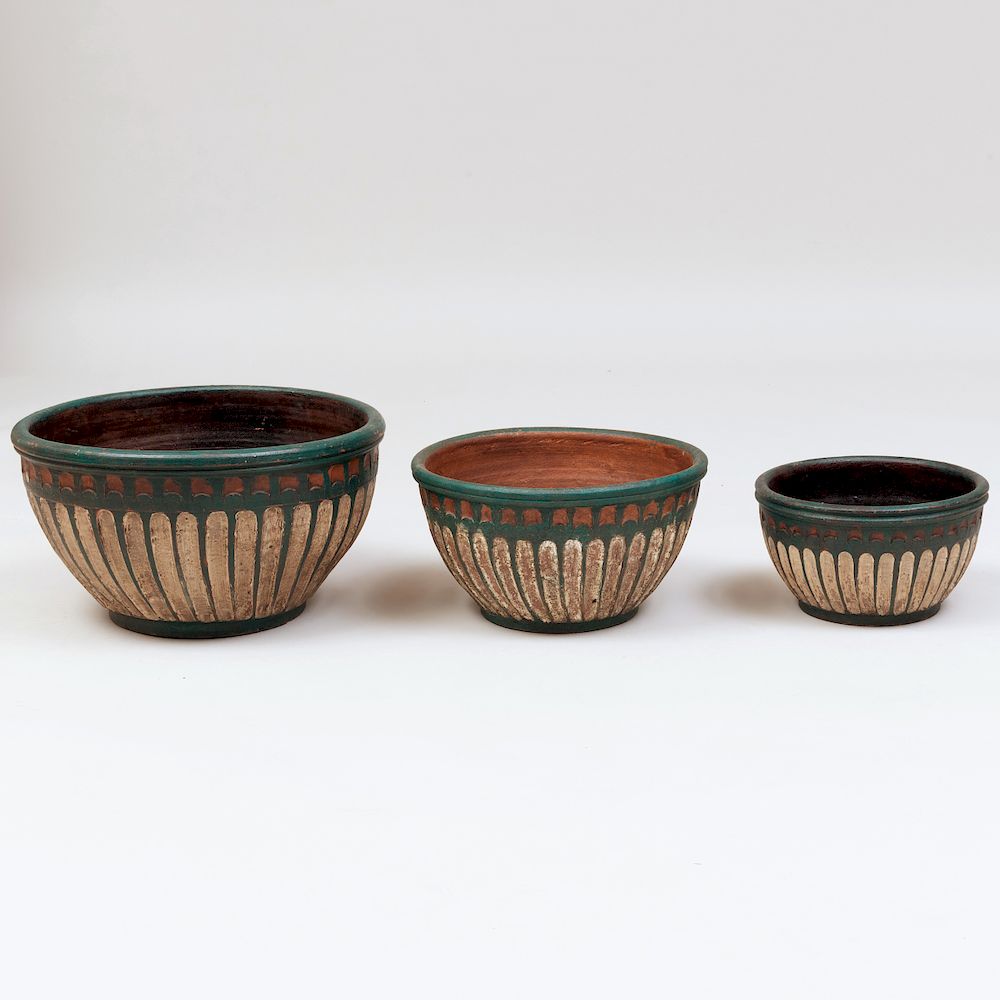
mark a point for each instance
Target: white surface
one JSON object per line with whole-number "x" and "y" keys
{"x": 772, "y": 230}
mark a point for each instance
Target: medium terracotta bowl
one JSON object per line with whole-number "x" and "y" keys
{"x": 204, "y": 511}
{"x": 559, "y": 529}
{"x": 871, "y": 540}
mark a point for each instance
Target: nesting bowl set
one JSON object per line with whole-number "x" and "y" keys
{"x": 215, "y": 511}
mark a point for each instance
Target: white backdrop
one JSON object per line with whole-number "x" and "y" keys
{"x": 771, "y": 229}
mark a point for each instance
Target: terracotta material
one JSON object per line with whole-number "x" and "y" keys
{"x": 557, "y": 460}
{"x": 205, "y": 511}
{"x": 871, "y": 540}
{"x": 559, "y": 529}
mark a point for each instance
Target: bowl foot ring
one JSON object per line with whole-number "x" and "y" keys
{"x": 849, "y": 619}
{"x": 557, "y": 628}
{"x": 204, "y": 630}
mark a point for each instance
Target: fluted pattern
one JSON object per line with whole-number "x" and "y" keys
{"x": 226, "y": 566}
{"x": 550, "y": 581}
{"x": 889, "y": 585}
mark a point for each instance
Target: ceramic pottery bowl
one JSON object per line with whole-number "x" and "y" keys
{"x": 557, "y": 529}
{"x": 204, "y": 511}
{"x": 870, "y": 540}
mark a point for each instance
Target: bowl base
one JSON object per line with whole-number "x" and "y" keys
{"x": 204, "y": 630}
{"x": 849, "y": 619}
{"x": 557, "y": 628}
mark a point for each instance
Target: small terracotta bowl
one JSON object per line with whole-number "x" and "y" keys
{"x": 204, "y": 511}
{"x": 559, "y": 529}
{"x": 871, "y": 540}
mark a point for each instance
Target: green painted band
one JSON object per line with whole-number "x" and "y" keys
{"x": 817, "y": 510}
{"x": 870, "y": 620}
{"x": 557, "y": 628}
{"x": 204, "y": 630}
{"x": 887, "y": 518}
{"x": 869, "y": 517}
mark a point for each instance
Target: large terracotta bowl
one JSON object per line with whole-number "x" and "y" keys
{"x": 204, "y": 511}
{"x": 871, "y": 540}
{"x": 559, "y": 529}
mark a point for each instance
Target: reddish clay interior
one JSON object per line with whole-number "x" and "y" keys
{"x": 196, "y": 420}
{"x": 557, "y": 460}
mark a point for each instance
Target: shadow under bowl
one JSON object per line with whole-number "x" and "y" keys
{"x": 559, "y": 529}
{"x": 203, "y": 511}
{"x": 871, "y": 540}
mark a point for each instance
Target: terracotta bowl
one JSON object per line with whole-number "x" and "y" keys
{"x": 557, "y": 529}
{"x": 204, "y": 511}
{"x": 871, "y": 540}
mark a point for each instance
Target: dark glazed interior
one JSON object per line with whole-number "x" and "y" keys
{"x": 870, "y": 483}
{"x": 557, "y": 460}
{"x": 196, "y": 420}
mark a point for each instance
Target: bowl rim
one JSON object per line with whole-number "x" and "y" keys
{"x": 198, "y": 459}
{"x": 553, "y": 495}
{"x": 971, "y": 499}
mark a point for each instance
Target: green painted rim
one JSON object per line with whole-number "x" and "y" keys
{"x": 870, "y": 620}
{"x": 557, "y": 628}
{"x": 820, "y": 511}
{"x": 341, "y": 445}
{"x": 584, "y": 495}
{"x": 203, "y": 630}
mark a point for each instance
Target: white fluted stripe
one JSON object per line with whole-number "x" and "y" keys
{"x": 573, "y": 579}
{"x": 329, "y": 556}
{"x": 630, "y": 572}
{"x": 161, "y": 541}
{"x": 811, "y": 567}
{"x": 481, "y": 555}
{"x": 524, "y": 559}
{"x": 548, "y": 570}
{"x": 789, "y": 576}
{"x": 904, "y": 581}
{"x": 593, "y": 574}
{"x": 828, "y": 572}
{"x": 505, "y": 573}
{"x": 43, "y": 512}
{"x": 318, "y": 542}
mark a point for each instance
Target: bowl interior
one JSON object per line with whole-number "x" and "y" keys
{"x": 870, "y": 482}
{"x": 194, "y": 419}
{"x": 557, "y": 460}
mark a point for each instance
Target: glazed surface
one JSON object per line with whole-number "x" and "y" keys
{"x": 557, "y": 460}
{"x": 196, "y": 419}
{"x": 869, "y": 483}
